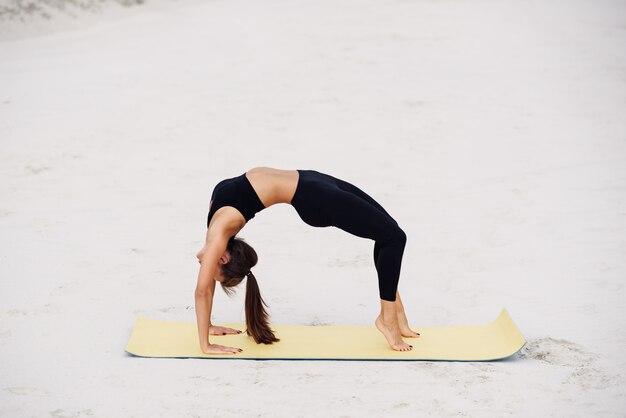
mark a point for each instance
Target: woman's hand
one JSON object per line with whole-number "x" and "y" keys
{"x": 216, "y": 330}
{"x": 220, "y": 349}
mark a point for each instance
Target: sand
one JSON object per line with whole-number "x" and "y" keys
{"x": 493, "y": 132}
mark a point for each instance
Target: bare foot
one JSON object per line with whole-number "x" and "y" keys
{"x": 405, "y": 331}
{"x": 392, "y": 334}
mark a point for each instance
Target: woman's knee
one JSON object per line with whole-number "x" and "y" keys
{"x": 401, "y": 236}
{"x": 396, "y": 236}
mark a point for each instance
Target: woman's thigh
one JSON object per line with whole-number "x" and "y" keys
{"x": 357, "y": 216}
{"x": 351, "y": 188}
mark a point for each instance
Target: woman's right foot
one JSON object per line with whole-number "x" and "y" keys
{"x": 392, "y": 334}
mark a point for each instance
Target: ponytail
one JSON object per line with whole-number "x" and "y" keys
{"x": 256, "y": 316}
{"x": 242, "y": 258}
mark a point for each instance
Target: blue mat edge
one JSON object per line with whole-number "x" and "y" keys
{"x": 329, "y": 359}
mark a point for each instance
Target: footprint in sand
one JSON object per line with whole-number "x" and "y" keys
{"x": 47, "y": 309}
{"x": 26, "y": 391}
{"x": 557, "y": 352}
{"x": 586, "y": 373}
{"x": 62, "y": 413}
{"x": 37, "y": 169}
{"x": 318, "y": 322}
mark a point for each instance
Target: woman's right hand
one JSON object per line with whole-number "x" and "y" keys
{"x": 220, "y": 349}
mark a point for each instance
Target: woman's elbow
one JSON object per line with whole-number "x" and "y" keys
{"x": 201, "y": 292}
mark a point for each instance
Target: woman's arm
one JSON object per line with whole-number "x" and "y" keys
{"x": 205, "y": 289}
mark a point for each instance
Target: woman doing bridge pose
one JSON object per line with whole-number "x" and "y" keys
{"x": 320, "y": 200}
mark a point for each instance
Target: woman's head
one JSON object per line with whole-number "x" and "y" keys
{"x": 242, "y": 258}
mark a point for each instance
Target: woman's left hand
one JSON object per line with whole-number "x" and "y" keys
{"x": 217, "y": 330}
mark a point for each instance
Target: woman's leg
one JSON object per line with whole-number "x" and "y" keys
{"x": 322, "y": 200}
{"x": 359, "y": 217}
{"x": 351, "y": 188}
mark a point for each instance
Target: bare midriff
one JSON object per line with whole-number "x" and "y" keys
{"x": 273, "y": 185}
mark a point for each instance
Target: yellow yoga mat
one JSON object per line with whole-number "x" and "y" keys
{"x": 496, "y": 340}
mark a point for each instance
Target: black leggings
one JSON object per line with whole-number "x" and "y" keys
{"x": 322, "y": 200}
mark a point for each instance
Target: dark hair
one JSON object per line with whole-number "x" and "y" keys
{"x": 242, "y": 259}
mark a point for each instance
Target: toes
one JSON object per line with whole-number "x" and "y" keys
{"x": 402, "y": 347}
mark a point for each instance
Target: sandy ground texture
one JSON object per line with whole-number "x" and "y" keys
{"x": 494, "y": 132}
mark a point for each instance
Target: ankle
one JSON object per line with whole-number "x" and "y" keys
{"x": 389, "y": 320}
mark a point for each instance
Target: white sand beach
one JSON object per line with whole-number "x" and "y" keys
{"x": 493, "y": 132}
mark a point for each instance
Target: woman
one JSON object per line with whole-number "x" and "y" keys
{"x": 320, "y": 200}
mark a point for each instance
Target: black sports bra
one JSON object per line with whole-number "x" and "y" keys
{"x": 238, "y": 193}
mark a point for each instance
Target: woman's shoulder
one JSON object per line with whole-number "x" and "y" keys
{"x": 226, "y": 220}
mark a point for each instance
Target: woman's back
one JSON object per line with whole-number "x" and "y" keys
{"x": 273, "y": 185}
